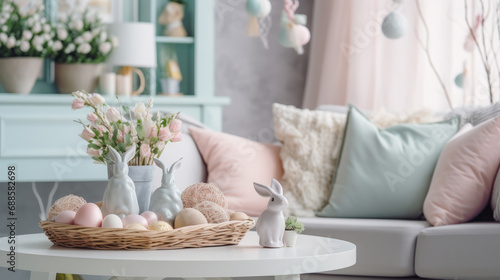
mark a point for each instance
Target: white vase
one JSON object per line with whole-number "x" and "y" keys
{"x": 71, "y": 77}
{"x": 290, "y": 238}
{"x": 18, "y": 74}
{"x": 143, "y": 181}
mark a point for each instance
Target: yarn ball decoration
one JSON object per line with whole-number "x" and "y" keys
{"x": 200, "y": 192}
{"x": 213, "y": 212}
{"x": 160, "y": 226}
{"x": 394, "y": 25}
{"x": 70, "y": 202}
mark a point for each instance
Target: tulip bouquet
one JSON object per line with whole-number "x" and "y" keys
{"x": 110, "y": 127}
{"x": 83, "y": 38}
{"x": 25, "y": 32}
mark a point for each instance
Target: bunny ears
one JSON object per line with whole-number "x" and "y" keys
{"x": 265, "y": 191}
{"x": 126, "y": 157}
{"x": 176, "y": 165}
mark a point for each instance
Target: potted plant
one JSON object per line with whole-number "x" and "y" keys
{"x": 292, "y": 227}
{"x": 123, "y": 127}
{"x": 25, "y": 39}
{"x": 85, "y": 47}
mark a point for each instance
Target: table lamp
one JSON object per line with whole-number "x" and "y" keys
{"x": 136, "y": 48}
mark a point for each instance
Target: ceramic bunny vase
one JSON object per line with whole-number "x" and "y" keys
{"x": 271, "y": 223}
{"x": 120, "y": 197}
{"x": 166, "y": 200}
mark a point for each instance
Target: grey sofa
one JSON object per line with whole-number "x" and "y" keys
{"x": 399, "y": 248}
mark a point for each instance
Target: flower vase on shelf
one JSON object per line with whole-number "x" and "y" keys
{"x": 19, "y": 74}
{"x": 71, "y": 77}
{"x": 143, "y": 181}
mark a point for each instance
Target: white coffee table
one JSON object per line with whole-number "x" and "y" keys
{"x": 311, "y": 254}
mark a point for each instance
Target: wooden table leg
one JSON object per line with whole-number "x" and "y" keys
{"x": 287, "y": 277}
{"x": 37, "y": 275}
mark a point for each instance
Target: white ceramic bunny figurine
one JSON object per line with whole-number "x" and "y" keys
{"x": 166, "y": 200}
{"x": 120, "y": 197}
{"x": 271, "y": 223}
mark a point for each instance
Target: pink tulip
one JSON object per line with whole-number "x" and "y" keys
{"x": 87, "y": 134}
{"x": 145, "y": 151}
{"x": 165, "y": 134}
{"x": 177, "y": 137}
{"x": 113, "y": 115}
{"x": 152, "y": 132}
{"x": 97, "y": 99}
{"x": 93, "y": 152}
{"x": 77, "y": 104}
{"x": 92, "y": 117}
{"x": 175, "y": 125}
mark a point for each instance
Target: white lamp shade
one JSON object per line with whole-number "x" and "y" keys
{"x": 136, "y": 44}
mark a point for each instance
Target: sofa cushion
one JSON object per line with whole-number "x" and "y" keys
{"x": 384, "y": 247}
{"x": 385, "y": 173}
{"x": 459, "y": 251}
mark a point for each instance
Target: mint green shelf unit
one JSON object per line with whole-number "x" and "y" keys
{"x": 38, "y": 133}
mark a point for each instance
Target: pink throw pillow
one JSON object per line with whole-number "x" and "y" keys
{"x": 234, "y": 163}
{"x": 464, "y": 175}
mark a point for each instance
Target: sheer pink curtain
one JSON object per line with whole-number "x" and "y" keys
{"x": 351, "y": 61}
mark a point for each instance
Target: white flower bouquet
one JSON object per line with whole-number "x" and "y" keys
{"x": 25, "y": 32}
{"x": 83, "y": 38}
{"x": 109, "y": 127}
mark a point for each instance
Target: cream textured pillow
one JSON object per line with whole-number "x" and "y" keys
{"x": 311, "y": 144}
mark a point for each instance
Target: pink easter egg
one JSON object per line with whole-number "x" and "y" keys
{"x": 303, "y": 34}
{"x": 88, "y": 215}
{"x": 134, "y": 219}
{"x": 150, "y": 216}
{"x": 66, "y": 217}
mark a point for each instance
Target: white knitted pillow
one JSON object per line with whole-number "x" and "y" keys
{"x": 311, "y": 144}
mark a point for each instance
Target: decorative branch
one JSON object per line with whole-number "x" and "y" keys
{"x": 483, "y": 56}
{"x": 428, "y": 54}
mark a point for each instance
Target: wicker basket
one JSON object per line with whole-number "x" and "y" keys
{"x": 206, "y": 235}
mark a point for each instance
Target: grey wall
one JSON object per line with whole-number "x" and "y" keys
{"x": 252, "y": 76}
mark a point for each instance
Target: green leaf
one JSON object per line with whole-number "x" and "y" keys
{"x": 156, "y": 150}
{"x": 96, "y": 132}
{"x": 115, "y": 133}
{"x": 93, "y": 146}
{"x": 126, "y": 108}
{"x": 128, "y": 141}
{"x": 140, "y": 131}
{"x": 121, "y": 147}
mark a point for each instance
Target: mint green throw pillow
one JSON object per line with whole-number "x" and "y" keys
{"x": 385, "y": 173}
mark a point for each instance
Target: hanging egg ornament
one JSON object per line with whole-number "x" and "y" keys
{"x": 253, "y": 7}
{"x": 283, "y": 38}
{"x": 394, "y": 25}
{"x": 265, "y": 8}
{"x": 459, "y": 80}
{"x": 302, "y": 34}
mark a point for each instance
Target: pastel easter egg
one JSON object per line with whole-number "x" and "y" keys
{"x": 136, "y": 227}
{"x": 134, "y": 219}
{"x": 88, "y": 215}
{"x": 394, "y": 25}
{"x": 283, "y": 38}
{"x": 66, "y": 217}
{"x": 150, "y": 216}
{"x": 303, "y": 34}
{"x": 265, "y": 8}
{"x": 112, "y": 221}
{"x": 253, "y": 7}
{"x": 189, "y": 217}
{"x": 238, "y": 216}
{"x": 160, "y": 226}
